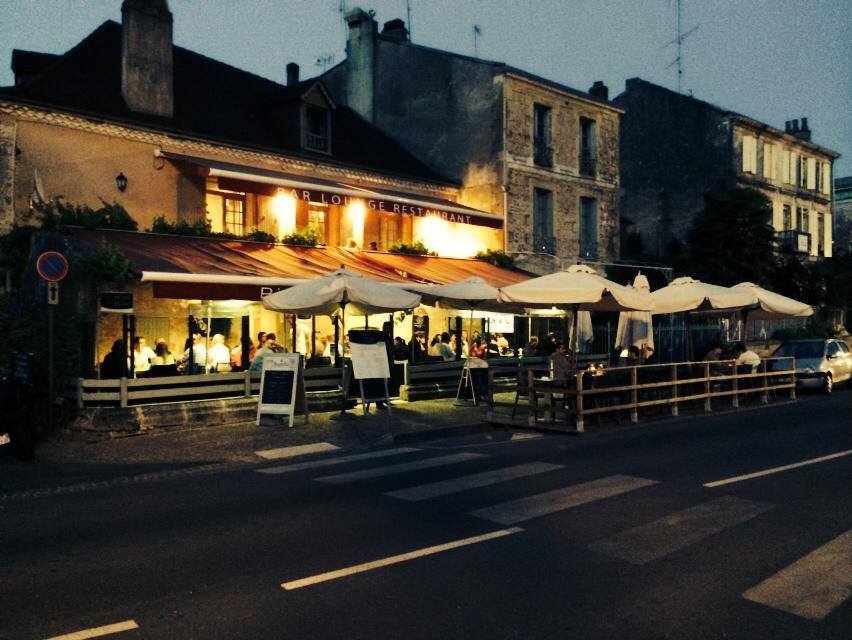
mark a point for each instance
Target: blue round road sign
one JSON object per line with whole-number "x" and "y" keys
{"x": 52, "y": 266}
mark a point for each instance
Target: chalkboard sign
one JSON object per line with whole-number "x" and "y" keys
{"x": 282, "y": 387}
{"x": 474, "y": 381}
{"x": 421, "y": 324}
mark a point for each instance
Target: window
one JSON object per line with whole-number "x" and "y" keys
{"x": 825, "y": 176}
{"x": 812, "y": 174}
{"x": 785, "y": 166}
{"x": 769, "y": 160}
{"x": 389, "y": 231}
{"x": 588, "y": 147}
{"x": 543, "y": 240}
{"x": 542, "y": 130}
{"x": 317, "y": 126}
{"x": 588, "y": 228}
{"x": 316, "y": 223}
{"x": 787, "y": 217}
{"x": 794, "y": 168}
{"x": 234, "y": 215}
{"x": 803, "y": 220}
{"x": 820, "y": 234}
{"x": 749, "y": 154}
{"x": 803, "y": 171}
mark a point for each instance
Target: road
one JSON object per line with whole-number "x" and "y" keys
{"x": 625, "y": 534}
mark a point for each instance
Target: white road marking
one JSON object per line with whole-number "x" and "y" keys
{"x": 552, "y": 501}
{"x": 786, "y": 467}
{"x": 118, "y": 627}
{"x": 301, "y": 450}
{"x": 327, "y": 462}
{"x": 455, "y": 485}
{"x": 812, "y": 586}
{"x": 403, "y": 467}
{"x": 403, "y": 557}
{"x": 679, "y": 530}
{"x": 525, "y": 436}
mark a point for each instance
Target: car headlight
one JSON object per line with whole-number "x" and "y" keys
{"x": 807, "y": 370}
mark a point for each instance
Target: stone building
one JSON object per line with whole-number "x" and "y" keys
{"x": 842, "y": 210}
{"x": 193, "y": 138}
{"x": 541, "y": 154}
{"x": 675, "y": 148}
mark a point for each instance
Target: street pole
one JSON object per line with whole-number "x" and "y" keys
{"x": 50, "y": 397}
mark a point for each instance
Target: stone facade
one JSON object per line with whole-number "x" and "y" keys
{"x": 8, "y": 134}
{"x": 472, "y": 121}
{"x": 675, "y": 148}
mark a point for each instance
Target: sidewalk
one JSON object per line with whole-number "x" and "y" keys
{"x": 68, "y": 458}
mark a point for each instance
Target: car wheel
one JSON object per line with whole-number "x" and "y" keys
{"x": 827, "y": 384}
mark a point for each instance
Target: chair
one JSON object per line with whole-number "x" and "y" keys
{"x": 161, "y": 371}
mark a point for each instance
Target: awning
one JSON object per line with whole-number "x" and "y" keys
{"x": 215, "y": 269}
{"x": 233, "y": 177}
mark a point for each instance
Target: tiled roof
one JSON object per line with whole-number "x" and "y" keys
{"x": 213, "y": 101}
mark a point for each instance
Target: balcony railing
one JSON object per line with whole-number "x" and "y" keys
{"x": 542, "y": 153}
{"x": 588, "y": 165}
{"x": 793, "y": 241}
{"x": 316, "y": 142}
{"x": 544, "y": 244}
{"x": 589, "y": 250}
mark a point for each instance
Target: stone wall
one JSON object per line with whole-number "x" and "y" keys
{"x": 8, "y": 134}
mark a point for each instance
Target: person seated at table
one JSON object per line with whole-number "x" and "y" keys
{"x": 162, "y": 355}
{"x": 266, "y": 350}
{"x": 746, "y": 356}
{"x": 261, "y": 339}
{"x": 142, "y": 355}
{"x": 715, "y": 355}
{"x": 532, "y": 347}
{"x": 465, "y": 345}
{"x": 219, "y": 355}
{"x": 634, "y": 356}
{"x": 420, "y": 350}
{"x": 559, "y": 365}
{"x": 502, "y": 343}
{"x": 444, "y": 349}
{"x": 493, "y": 346}
{"x": 114, "y": 364}
{"x": 199, "y": 355}
{"x": 400, "y": 349}
{"x": 434, "y": 345}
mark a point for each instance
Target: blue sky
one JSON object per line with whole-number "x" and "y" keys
{"x": 770, "y": 59}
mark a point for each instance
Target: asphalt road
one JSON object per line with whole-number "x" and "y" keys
{"x": 610, "y": 535}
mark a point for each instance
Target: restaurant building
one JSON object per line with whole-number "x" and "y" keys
{"x": 541, "y": 154}
{"x": 125, "y": 116}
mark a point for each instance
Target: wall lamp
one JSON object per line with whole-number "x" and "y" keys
{"x": 121, "y": 182}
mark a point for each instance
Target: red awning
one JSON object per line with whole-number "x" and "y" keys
{"x": 242, "y": 270}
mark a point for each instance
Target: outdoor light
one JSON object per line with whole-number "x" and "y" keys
{"x": 121, "y": 182}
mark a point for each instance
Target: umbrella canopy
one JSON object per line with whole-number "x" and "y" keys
{"x": 774, "y": 305}
{"x": 469, "y": 293}
{"x": 579, "y": 286}
{"x": 686, "y": 294}
{"x": 326, "y": 294}
{"x": 635, "y": 328}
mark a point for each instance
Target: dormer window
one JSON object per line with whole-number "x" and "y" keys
{"x": 317, "y": 128}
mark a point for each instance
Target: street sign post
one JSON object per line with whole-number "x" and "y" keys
{"x": 52, "y": 267}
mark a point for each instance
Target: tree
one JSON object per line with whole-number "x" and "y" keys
{"x": 732, "y": 239}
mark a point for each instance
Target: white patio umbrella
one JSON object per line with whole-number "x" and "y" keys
{"x": 577, "y": 288}
{"x": 686, "y": 295}
{"x": 635, "y": 328}
{"x": 772, "y": 305}
{"x": 328, "y": 294}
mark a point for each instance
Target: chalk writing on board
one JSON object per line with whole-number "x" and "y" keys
{"x": 277, "y": 387}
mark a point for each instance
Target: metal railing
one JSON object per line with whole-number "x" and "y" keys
{"x": 316, "y": 142}
{"x": 588, "y": 165}
{"x": 542, "y": 153}
{"x": 793, "y": 241}
{"x": 544, "y": 244}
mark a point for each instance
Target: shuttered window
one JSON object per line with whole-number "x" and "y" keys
{"x": 749, "y": 154}
{"x": 812, "y": 179}
{"x": 769, "y": 160}
{"x": 826, "y": 178}
{"x": 785, "y": 166}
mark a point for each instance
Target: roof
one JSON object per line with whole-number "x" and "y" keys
{"x": 639, "y": 82}
{"x": 502, "y": 67}
{"x": 27, "y": 63}
{"x": 213, "y": 101}
{"x": 180, "y": 255}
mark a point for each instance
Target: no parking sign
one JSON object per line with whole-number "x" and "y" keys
{"x": 52, "y": 266}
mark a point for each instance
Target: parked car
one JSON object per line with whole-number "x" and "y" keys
{"x": 819, "y": 363}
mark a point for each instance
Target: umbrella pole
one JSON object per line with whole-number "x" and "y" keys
{"x": 689, "y": 351}
{"x": 343, "y": 415}
{"x": 574, "y": 315}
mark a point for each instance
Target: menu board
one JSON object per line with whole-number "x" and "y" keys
{"x": 369, "y": 361}
{"x": 280, "y": 379}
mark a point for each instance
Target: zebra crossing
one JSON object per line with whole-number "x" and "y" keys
{"x": 811, "y": 587}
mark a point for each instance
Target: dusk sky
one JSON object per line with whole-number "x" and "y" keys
{"x": 774, "y": 60}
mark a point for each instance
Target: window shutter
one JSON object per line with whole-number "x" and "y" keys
{"x": 812, "y": 173}
{"x": 826, "y": 178}
{"x": 785, "y": 166}
{"x": 794, "y": 165}
{"x": 749, "y": 149}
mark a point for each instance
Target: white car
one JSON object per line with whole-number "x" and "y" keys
{"x": 819, "y": 363}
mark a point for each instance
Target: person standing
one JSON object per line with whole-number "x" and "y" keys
{"x": 142, "y": 355}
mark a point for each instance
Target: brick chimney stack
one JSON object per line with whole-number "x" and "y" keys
{"x": 147, "y": 68}
{"x": 360, "y": 59}
{"x": 395, "y": 29}
{"x": 599, "y": 90}
{"x": 804, "y": 133}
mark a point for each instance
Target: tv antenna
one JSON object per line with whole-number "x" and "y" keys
{"x": 408, "y": 16}
{"x": 477, "y": 33}
{"x": 324, "y": 61}
{"x": 681, "y": 36}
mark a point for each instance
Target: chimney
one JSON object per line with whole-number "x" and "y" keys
{"x": 788, "y": 127}
{"x": 292, "y": 74}
{"x": 395, "y": 30}
{"x": 146, "y": 57}
{"x": 795, "y": 127}
{"x": 360, "y": 62}
{"x": 599, "y": 90}
{"x": 805, "y": 132}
